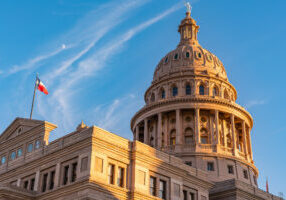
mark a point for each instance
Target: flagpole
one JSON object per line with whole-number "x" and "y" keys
{"x": 34, "y": 97}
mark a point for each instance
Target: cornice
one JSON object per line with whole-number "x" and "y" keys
{"x": 177, "y": 100}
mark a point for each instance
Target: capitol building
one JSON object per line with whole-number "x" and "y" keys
{"x": 192, "y": 141}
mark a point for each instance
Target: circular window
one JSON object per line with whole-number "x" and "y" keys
{"x": 188, "y": 119}
{"x": 203, "y": 119}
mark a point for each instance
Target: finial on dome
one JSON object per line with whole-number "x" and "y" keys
{"x": 189, "y": 8}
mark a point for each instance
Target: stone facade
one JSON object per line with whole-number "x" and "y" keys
{"x": 191, "y": 142}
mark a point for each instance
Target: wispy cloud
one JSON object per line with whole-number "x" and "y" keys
{"x": 83, "y": 59}
{"x": 253, "y": 103}
{"x": 34, "y": 61}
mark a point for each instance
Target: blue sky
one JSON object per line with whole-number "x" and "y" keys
{"x": 97, "y": 59}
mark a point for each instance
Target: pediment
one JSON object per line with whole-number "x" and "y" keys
{"x": 18, "y": 127}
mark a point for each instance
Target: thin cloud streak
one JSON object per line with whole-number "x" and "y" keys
{"x": 64, "y": 91}
{"x": 33, "y": 62}
{"x": 253, "y": 103}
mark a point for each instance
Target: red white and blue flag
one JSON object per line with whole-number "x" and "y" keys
{"x": 41, "y": 86}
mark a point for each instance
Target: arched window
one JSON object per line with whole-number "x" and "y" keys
{"x": 163, "y": 140}
{"x": 187, "y": 54}
{"x": 189, "y": 136}
{"x": 204, "y": 136}
{"x": 228, "y": 140}
{"x": 215, "y": 91}
{"x": 202, "y": 90}
{"x": 163, "y": 94}
{"x": 176, "y": 56}
{"x": 152, "y": 97}
{"x": 173, "y": 137}
{"x": 188, "y": 89}
{"x": 175, "y": 91}
{"x": 226, "y": 95}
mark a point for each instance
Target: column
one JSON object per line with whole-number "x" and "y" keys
{"x": 166, "y": 132}
{"x": 217, "y": 127}
{"x": 159, "y": 131}
{"x": 197, "y": 128}
{"x": 244, "y": 138}
{"x": 57, "y": 175}
{"x": 18, "y": 184}
{"x": 233, "y": 135}
{"x": 146, "y": 131}
{"x": 155, "y": 134}
{"x": 250, "y": 148}
{"x": 137, "y": 132}
{"x": 178, "y": 127}
{"x": 212, "y": 130}
{"x": 224, "y": 133}
{"x": 37, "y": 181}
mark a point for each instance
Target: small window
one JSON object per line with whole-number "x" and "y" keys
{"x": 66, "y": 173}
{"x": 26, "y": 183}
{"x": 210, "y": 166}
{"x": 37, "y": 144}
{"x": 30, "y": 148}
{"x": 175, "y": 91}
{"x": 185, "y": 195}
{"x": 13, "y": 155}
{"x": 152, "y": 186}
{"x": 173, "y": 137}
{"x": 215, "y": 91}
{"x": 176, "y": 56}
{"x": 52, "y": 180}
{"x": 162, "y": 189}
{"x": 245, "y": 174}
{"x": 111, "y": 174}
{"x": 189, "y": 136}
{"x": 163, "y": 94}
{"x": 120, "y": 178}
{"x": 230, "y": 169}
{"x": 32, "y": 185}
{"x": 166, "y": 59}
{"x": 3, "y": 160}
{"x": 188, "y": 89}
{"x": 189, "y": 163}
{"x": 192, "y": 195}
{"x": 84, "y": 164}
{"x": 44, "y": 183}
{"x": 74, "y": 168}
{"x": 152, "y": 97}
{"x": 200, "y": 55}
{"x": 187, "y": 54}
{"x": 202, "y": 90}
{"x": 19, "y": 152}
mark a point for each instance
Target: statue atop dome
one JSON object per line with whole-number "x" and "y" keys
{"x": 188, "y": 6}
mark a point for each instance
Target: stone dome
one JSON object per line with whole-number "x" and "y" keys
{"x": 189, "y": 56}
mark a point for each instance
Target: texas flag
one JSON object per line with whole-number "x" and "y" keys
{"x": 41, "y": 86}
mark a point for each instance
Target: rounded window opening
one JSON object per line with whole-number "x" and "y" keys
{"x": 173, "y": 137}
{"x": 200, "y": 55}
{"x": 166, "y": 59}
{"x": 204, "y": 136}
{"x": 187, "y": 54}
{"x": 226, "y": 96}
{"x": 188, "y": 89}
{"x": 189, "y": 137}
{"x": 202, "y": 90}
{"x": 215, "y": 91}
{"x": 163, "y": 94}
{"x": 176, "y": 56}
{"x": 13, "y": 155}
{"x": 175, "y": 91}
{"x": 203, "y": 119}
{"x": 152, "y": 97}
